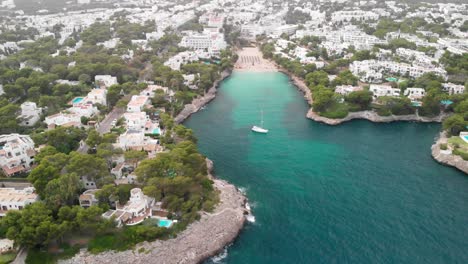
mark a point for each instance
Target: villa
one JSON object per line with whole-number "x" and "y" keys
{"x": 452, "y": 88}
{"x": 30, "y": 114}
{"x": 415, "y": 93}
{"x": 96, "y": 96}
{"x": 16, "y": 154}
{"x": 105, "y": 80}
{"x": 12, "y": 199}
{"x": 347, "y": 89}
{"x": 63, "y": 119}
{"x": 88, "y": 198}
{"x": 137, "y": 103}
{"x": 383, "y": 90}
{"x": 135, "y": 211}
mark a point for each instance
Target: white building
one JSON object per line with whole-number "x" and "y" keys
{"x": 96, "y": 96}
{"x": 105, "y": 80}
{"x": 347, "y": 89}
{"x": 88, "y": 198}
{"x": 63, "y": 119}
{"x": 137, "y": 103}
{"x": 30, "y": 114}
{"x": 383, "y": 90}
{"x": 135, "y": 211}
{"x": 357, "y": 15}
{"x": 176, "y": 61}
{"x": 452, "y": 88}
{"x": 84, "y": 109}
{"x": 136, "y": 120}
{"x": 16, "y": 153}
{"x": 211, "y": 41}
{"x": 11, "y": 199}
{"x": 414, "y": 93}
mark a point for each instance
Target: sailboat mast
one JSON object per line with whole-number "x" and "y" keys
{"x": 261, "y": 120}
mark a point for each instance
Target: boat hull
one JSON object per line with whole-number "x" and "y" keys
{"x": 259, "y": 130}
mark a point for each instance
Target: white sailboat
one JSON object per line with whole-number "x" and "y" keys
{"x": 260, "y": 129}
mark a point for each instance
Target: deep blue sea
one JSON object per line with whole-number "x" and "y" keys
{"x": 355, "y": 193}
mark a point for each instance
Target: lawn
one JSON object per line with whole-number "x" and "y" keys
{"x": 7, "y": 258}
{"x": 459, "y": 146}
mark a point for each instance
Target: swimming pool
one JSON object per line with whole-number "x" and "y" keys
{"x": 77, "y": 100}
{"x": 165, "y": 223}
{"x": 157, "y": 131}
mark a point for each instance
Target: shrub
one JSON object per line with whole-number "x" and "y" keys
{"x": 443, "y": 146}
{"x": 384, "y": 112}
{"x": 335, "y": 112}
{"x": 460, "y": 153}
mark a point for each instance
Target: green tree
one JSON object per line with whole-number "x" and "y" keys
{"x": 89, "y": 167}
{"x": 360, "y": 99}
{"x": 454, "y": 124}
{"x": 63, "y": 191}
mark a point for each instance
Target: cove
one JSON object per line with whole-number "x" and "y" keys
{"x": 355, "y": 193}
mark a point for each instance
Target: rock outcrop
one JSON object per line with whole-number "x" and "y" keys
{"x": 446, "y": 157}
{"x": 200, "y": 241}
{"x": 374, "y": 117}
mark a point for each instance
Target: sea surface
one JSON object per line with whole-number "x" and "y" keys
{"x": 355, "y": 193}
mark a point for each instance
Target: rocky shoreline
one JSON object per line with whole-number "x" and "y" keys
{"x": 198, "y": 103}
{"x": 446, "y": 157}
{"x": 201, "y": 240}
{"x": 367, "y": 115}
{"x": 374, "y": 117}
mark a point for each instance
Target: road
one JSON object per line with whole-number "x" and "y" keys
{"x": 106, "y": 124}
{"x": 20, "y": 257}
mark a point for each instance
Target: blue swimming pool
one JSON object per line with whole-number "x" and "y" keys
{"x": 77, "y": 100}
{"x": 165, "y": 223}
{"x": 157, "y": 131}
{"x": 465, "y": 137}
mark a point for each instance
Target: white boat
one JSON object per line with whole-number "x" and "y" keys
{"x": 260, "y": 129}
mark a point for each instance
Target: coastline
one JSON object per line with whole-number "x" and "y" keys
{"x": 366, "y": 115}
{"x": 199, "y": 241}
{"x": 198, "y": 103}
{"x": 446, "y": 157}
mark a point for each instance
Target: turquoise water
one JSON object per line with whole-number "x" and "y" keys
{"x": 156, "y": 131}
{"x": 77, "y": 100}
{"x": 356, "y": 193}
{"x": 164, "y": 223}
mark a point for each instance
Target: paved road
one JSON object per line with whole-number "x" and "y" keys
{"x": 20, "y": 257}
{"x": 106, "y": 124}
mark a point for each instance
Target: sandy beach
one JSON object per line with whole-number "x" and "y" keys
{"x": 251, "y": 60}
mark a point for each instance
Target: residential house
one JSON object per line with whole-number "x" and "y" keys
{"x": 383, "y": 90}
{"x": 137, "y": 103}
{"x": 12, "y": 199}
{"x": 96, "y": 96}
{"x": 30, "y": 114}
{"x": 88, "y": 198}
{"x": 16, "y": 153}
{"x": 414, "y": 93}
{"x": 135, "y": 211}
{"x": 105, "y": 80}
{"x": 347, "y": 89}
{"x": 63, "y": 119}
{"x": 452, "y": 88}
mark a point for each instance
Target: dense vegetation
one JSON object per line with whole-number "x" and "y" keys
{"x": 178, "y": 178}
